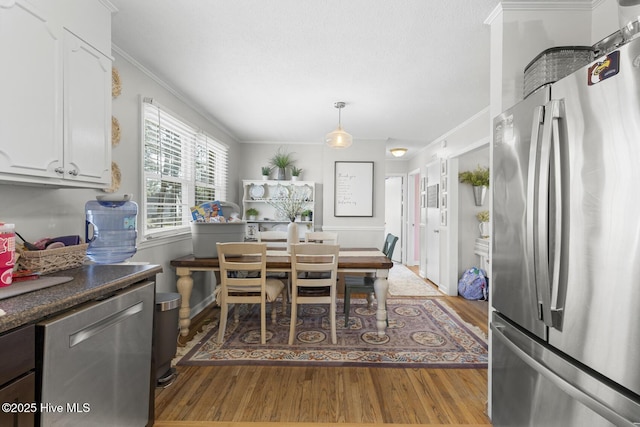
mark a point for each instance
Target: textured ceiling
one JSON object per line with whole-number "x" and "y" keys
{"x": 271, "y": 70}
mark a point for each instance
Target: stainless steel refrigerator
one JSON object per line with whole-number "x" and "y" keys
{"x": 565, "y": 295}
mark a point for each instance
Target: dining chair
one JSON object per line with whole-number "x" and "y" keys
{"x": 273, "y": 238}
{"x": 324, "y": 237}
{"x": 364, "y": 284}
{"x": 314, "y": 269}
{"x": 276, "y": 240}
{"x": 243, "y": 279}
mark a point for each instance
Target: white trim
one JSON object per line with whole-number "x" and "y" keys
{"x": 548, "y": 5}
{"x": 201, "y": 306}
{"x": 351, "y": 228}
{"x": 162, "y": 240}
{"x": 481, "y": 143}
{"x": 174, "y": 92}
{"x": 455, "y": 129}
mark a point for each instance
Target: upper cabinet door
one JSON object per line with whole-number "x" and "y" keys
{"x": 31, "y": 100}
{"x": 87, "y": 112}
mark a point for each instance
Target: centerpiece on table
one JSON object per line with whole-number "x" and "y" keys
{"x": 291, "y": 206}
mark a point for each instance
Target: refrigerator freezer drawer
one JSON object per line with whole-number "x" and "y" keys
{"x": 534, "y": 386}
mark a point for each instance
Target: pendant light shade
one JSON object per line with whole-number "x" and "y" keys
{"x": 339, "y": 138}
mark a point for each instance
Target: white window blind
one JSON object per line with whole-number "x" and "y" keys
{"x": 183, "y": 167}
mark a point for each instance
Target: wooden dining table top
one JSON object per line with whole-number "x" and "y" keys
{"x": 348, "y": 258}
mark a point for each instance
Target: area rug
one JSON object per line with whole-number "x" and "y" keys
{"x": 421, "y": 333}
{"x": 404, "y": 282}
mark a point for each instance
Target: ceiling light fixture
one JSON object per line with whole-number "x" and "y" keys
{"x": 339, "y": 138}
{"x": 398, "y": 152}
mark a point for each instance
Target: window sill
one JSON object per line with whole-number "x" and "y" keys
{"x": 158, "y": 240}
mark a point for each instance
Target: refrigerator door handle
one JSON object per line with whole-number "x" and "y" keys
{"x": 556, "y": 311}
{"x": 532, "y": 179}
{"x": 541, "y": 240}
{"x": 576, "y": 393}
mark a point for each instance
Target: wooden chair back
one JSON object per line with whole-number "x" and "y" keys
{"x": 324, "y": 237}
{"x": 273, "y": 238}
{"x": 314, "y": 270}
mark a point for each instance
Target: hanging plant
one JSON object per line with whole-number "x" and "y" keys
{"x": 478, "y": 177}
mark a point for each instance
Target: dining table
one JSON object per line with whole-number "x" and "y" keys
{"x": 369, "y": 261}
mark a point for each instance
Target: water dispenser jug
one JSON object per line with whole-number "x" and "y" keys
{"x": 111, "y": 230}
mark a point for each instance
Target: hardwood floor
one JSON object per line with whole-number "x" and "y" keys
{"x": 256, "y": 396}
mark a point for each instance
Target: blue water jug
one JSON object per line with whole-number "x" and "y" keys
{"x": 111, "y": 230}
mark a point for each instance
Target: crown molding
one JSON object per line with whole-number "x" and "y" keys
{"x": 174, "y": 92}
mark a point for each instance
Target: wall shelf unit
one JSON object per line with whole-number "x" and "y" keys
{"x": 258, "y": 194}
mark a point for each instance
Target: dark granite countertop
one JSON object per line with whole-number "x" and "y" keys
{"x": 89, "y": 282}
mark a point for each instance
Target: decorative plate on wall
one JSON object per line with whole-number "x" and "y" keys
{"x": 116, "y": 87}
{"x": 257, "y": 191}
{"x": 116, "y": 177}
{"x": 115, "y": 132}
{"x": 280, "y": 192}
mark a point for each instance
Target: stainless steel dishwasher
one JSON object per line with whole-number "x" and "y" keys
{"x": 96, "y": 362}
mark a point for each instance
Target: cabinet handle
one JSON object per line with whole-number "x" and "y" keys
{"x": 73, "y": 172}
{"x": 58, "y": 170}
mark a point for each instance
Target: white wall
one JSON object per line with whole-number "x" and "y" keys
{"x": 48, "y": 212}
{"x": 318, "y": 164}
{"x": 468, "y": 229}
{"x": 138, "y": 82}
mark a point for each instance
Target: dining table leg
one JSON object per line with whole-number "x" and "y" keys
{"x": 380, "y": 287}
{"x": 184, "y": 285}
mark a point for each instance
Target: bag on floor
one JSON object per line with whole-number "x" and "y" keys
{"x": 473, "y": 284}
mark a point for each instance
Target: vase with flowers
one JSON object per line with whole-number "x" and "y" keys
{"x": 483, "y": 218}
{"x": 291, "y": 206}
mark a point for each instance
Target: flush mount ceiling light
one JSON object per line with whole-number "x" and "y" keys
{"x": 338, "y": 138}
{"x": 398, "y": 152}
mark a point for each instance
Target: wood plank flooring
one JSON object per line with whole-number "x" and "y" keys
{"x": 264, "y": 396}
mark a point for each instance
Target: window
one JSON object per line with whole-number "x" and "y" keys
{"x": 183, "y": 167}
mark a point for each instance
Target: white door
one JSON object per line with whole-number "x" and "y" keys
{"x": 393, "y": 212}
{"x": 413, "y": 219}
{"x": 432, "y": 229}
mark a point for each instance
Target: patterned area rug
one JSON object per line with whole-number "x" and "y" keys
{"x": 404, "y": 282}
{"x": 421, "y": 333}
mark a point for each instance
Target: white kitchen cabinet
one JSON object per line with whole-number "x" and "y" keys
{"x": 258, "y": 195}
{"x": 87, "y": 112}
{"x": 56, "y": 98}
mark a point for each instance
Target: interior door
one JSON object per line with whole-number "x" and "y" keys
{"x": 393, "y": 212}
{"x": 413, "y": 218}
{"x": 432, "y": 229}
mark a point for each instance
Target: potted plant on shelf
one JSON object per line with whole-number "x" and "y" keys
{"x": 295, "y": 173}
{"x": 266, "y": 171}
{"x": 306, "y": 215}
{"x": 479, "y": 180}
{"x": 483, "y": 218}
{"x": 281, "y": 161}
{"x": 252, "y": 213}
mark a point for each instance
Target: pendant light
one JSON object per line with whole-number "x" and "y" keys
{"x": 398, "y": 152}
{"x": 338, "y": 138}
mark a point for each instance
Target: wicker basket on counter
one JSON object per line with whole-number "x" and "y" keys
{"x": 51, "y": 260}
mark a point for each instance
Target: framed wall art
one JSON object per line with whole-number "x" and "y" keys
{"x": 353, "y": 192}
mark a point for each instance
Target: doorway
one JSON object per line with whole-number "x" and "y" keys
{"x": 413, "y": 218}
{"x": 432, "y": 227}
{"x": 394, "y": 213}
